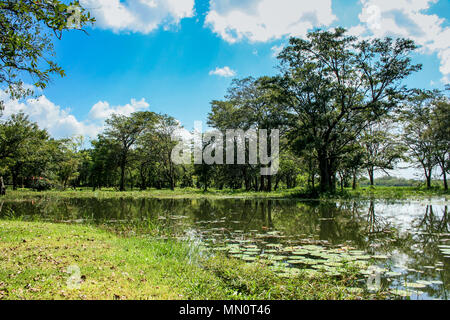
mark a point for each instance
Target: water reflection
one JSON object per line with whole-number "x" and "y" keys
{"x": 414, "y": 236}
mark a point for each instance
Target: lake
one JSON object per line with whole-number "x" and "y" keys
{"x": 403, "y": 245}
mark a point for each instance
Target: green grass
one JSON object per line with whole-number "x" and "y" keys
{"x": 396, "y": 192}
{"x": 35, "y": 257}
{"x": 191, "y": 193}
{"x": 188, "y": 193}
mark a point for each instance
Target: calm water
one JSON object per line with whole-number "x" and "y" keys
{"x": 404, "y": 244}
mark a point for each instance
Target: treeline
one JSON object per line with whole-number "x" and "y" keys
{"x": 390, "y": 181}
{"x": 340, "y": 104}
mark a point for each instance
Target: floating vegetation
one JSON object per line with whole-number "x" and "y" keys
{"x": 290, "y": 258}
{"x": 392, "y": 274}
{"x": 401, "y": 293}
{"x": 415, "y": 285}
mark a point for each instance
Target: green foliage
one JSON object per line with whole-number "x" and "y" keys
{"x": 27, "y": 28}
{"x": 334, "y": 86}
{"x": 389, "y": 181}
{"x": 426, "y": 132}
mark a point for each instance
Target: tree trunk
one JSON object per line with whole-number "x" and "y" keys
{"x": 428, "y": 175}
{"x": 2, "y": 187}
{"x": 342, "y": 182}
{"x": 277, "y": 181}
{"x": 269, "y": 184}
{"x": 354, "y": 181}
{"x": 143, "y": 185}
{"x": 429, "y": 181}
{"x": 122, "y": 177}
{"x": 445, "y": 181}
{"x": 14, "y": 179}
{"x": 326, "y": 176}
{"x": 444, "y": 175}
{"x": 372, "y": 183}
{"x": 261, "y": 184}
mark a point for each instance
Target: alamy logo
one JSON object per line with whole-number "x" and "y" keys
{"x": 209, "y": 147}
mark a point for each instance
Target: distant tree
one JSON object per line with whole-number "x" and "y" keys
{"x": 350, "y": 165}
{"x": 122, "y": 132}
{"x": 104, "y": 162}
{"x": 26, "y": 29}
{"x": 382, "y": 149}
{"x": 21, "y": 146}
{"x": 250, "y": 104}
{"x": 155, "y": 150}
{"x": 418, "y": 134}
{"x": 68, "y": 160}
{"x": 290, "y": 168}
{"x": 440, "y": 128}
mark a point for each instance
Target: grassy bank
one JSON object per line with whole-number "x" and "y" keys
{"x": 35, "y": 261}
{"x": 191, "y": 193}
{"x": 395, "y": 193}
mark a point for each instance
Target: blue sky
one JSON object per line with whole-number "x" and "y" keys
{"x": 160, "y": 55}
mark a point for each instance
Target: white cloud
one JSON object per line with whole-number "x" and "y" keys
{"x": 223, "y": 72}
{"x": 61, "y": 123}
{"x": 408, "y": 19}
{"x": 102, "y": 109}
{"x": 138, "y": 15}
{"x": 276, "y": 50}
{"x": 264, "y": 20}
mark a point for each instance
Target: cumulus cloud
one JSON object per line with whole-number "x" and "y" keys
{"x": 223, "y": 72}
{"x": 264, "y": 20}
{"x": 141, "y": 16}
{"x": 103, "y": 110}
{"x": 60, "y": 122}
{"x": 408, "y": 19}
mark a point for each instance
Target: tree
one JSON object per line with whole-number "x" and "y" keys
{"x": 166, "y": 127}
{"x": 154, "y": 152}
{"x": 68, "y": 160}
{"x": 350, "y": 164}
{"x": 250, "y": 104}
{"x": 289, "y": 170}
{"x": 336, "y": 86}
{"x": 104, "y": 162}
{"x": 417, "y": 134}
{"x": 382, "y": 150}
{"x": 22, "y": 145}
{"x": 26, "y": 29}
{"x": 122, "y": 132}
{"x": 440, "y": 128}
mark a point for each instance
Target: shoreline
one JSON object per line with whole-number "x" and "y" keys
{"x": 39, "y": 260}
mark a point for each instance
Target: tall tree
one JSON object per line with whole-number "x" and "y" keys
{"x": 22, "y": 145}
{"x": 418, "y": 135}
{"x": 155, "y": 150}
{"x": 123, "y": 132}
{"x": 440, "y": 127}
{"x": 250, "y": 104}
{"x": 382, "y": 149}
{"x": 68, "y": 160}
{"x": 336, "y": 86}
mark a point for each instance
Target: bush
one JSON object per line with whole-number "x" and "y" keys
{"x": 41, "y": 184}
